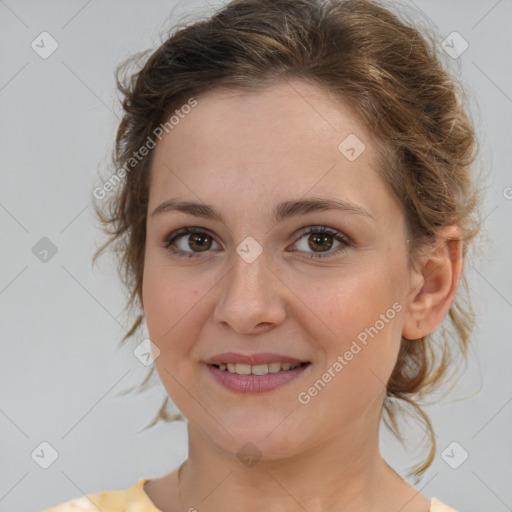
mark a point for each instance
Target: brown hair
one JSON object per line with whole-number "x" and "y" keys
{"x": 395, "y": 80}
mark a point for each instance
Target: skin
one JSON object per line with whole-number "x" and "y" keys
{"x": 243, "y": 153}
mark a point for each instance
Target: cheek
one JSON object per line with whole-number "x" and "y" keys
{"x": 361, "y": 352}
{"x": 351, "y": 300}
{"x": 172, "y": 309}
{"x": 357, "y": 316}
{"x": 171, "y": 303}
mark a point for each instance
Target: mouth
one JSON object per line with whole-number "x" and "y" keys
{"x": 255, "y": 374}
{"x": 258, "y": 369}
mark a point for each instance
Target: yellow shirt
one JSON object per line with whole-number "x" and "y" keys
{"x": 135, "y": 499}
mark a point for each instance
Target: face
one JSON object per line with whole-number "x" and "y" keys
{"x": 267, "y": 274}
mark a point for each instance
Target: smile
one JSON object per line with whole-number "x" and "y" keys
{"x": 258, "y": 369}
{"x": 256, "y": 373}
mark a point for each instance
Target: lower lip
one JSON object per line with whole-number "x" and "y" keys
{"x": 255, "y": 383}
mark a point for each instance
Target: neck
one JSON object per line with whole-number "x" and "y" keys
{"x": 346, "y": 470}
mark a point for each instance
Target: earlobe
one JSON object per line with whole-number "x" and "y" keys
{"x": 438, "y": 279}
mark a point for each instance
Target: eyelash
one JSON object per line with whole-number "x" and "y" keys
{"x": 176, "y": 235}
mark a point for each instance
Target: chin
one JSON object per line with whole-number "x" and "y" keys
{"x": 257, "y": 439}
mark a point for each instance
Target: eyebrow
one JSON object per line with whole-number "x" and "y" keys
{"x": 282, "y": 211}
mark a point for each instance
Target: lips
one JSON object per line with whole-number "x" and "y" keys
{"x": 254, "y": 373}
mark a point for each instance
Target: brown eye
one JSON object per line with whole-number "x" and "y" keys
{"x": 200, "y": 242}
{"x": 320, "y": 241}
{"x": 189, "y": 242}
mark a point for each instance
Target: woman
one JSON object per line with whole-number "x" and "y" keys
{"x": 292, "y": 208}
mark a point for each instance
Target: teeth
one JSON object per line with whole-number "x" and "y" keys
{"x": 258, "y": 369}
{"x": 243, "y": 369}
{"x": 274, "y": 367}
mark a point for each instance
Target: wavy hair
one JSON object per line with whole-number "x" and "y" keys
{"x": 394, "y": 78}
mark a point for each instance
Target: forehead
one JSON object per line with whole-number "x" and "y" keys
{"x": 287, "y": 138}
{"x": 290, "y": 116}
{"x": 291, "y": 109}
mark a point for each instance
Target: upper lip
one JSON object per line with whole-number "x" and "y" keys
{"x": 253, "y": 359}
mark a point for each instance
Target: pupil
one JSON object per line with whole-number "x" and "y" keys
{"x": 320, "y": 239}
{"x": 200, "y": 240}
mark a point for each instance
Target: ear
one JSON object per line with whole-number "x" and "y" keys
{"x": 435, "y": 282}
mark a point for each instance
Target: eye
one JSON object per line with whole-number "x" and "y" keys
{"x": 321, "y": 239}
{"x": 189, "y": 242}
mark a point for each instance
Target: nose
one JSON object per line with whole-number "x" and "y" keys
{"x": 251, "y": 299}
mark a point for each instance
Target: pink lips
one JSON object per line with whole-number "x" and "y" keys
{"x": 253, "y": 383}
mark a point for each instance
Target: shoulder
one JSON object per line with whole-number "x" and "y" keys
{"x": 438, "y": 506}
{"x": 133, "y": 499}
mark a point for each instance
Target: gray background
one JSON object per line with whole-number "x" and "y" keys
{"x": 62, "y": 373}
